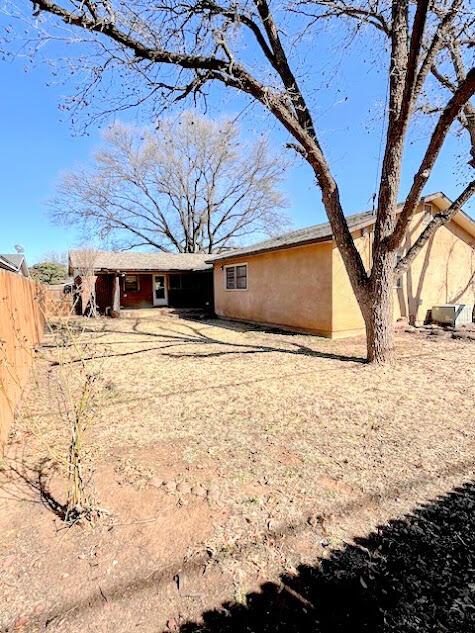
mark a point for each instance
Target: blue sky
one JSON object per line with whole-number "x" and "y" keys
{"x": 39, "y": 141}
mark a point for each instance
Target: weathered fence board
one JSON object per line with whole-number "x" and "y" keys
{"x": 56, "y": 303}
{"x": 22, "y": 325}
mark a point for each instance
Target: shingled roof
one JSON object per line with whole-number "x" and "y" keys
{"x": 15, "y": 262}
{"x": 308, "y": 235}
{"x": 6, "y": 265}
{"x": 323, "y": 232}
{"x": 137, "y": 262}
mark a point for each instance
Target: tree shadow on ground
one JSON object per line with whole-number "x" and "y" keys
{"x": 172, "y": 338}
{"x": 413, "y": 575}
{"x": 210, "y": 318}
{"x": 20, "y": 478}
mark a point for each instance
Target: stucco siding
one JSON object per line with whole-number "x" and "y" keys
{"x": 289, "y": 288}
{"x": 346, "y": 318}
{"x": 307, "y": 287}
{"x": 441, "y": 273}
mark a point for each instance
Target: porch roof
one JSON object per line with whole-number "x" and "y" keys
{"x": 120, "y": 261}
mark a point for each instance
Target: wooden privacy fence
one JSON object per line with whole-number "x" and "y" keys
{"x": 56, "y": 302}
{"x": 22, "y": 325}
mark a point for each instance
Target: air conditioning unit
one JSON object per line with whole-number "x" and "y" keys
{"x": 454, "y": 314}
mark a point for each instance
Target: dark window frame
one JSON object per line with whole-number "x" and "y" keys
{"x": 172, "y": 281}
{"x": 137, "y": 283}
{"x": 234, "y": 275}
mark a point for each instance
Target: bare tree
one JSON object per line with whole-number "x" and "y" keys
{"x": 55, "y": 257}
{"x": 176, "y": 50}
{"x": 455, "y": 44}
{"x": 445, "y": 49}
{"x": 191, "y": 186}
{"x": 85, "y": 282}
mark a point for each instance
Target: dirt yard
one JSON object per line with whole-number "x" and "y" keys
{"x": 231, "y": 462}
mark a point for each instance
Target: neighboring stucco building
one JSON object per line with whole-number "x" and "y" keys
{"x": 299, "y": 281}
{"x": 141, "y": 280}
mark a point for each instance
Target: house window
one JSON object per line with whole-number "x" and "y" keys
{"x": 236, "y": 277}
{"x": 175, "y": 282}
{"x": 131, "y": 283}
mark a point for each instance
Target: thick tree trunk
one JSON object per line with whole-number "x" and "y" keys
{"x": 380, "y": 333}
{"x": 378, "y": 314}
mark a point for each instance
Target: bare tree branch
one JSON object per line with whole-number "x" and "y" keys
{"x": 183, "y": 187}
{"x": 463, "y": 93}
{"x": 176, "y": 50}
{"x": 399, "y": 85}
{"x": 437, "y": 221}
{"x": 435, "y": 45}
{"x": 366, "y": 13}
{"x": 467, "y": 115}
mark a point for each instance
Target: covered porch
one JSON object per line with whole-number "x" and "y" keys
{"x": 134, "y": 289}
{"x": 108, "y": 281}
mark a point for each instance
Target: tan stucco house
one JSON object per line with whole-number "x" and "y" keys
{"x": 298, "y": 281}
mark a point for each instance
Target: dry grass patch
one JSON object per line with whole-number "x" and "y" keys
{"x": 233, "y": 452}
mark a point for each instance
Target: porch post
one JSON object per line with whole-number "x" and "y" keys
{"x": 115, "y": 312}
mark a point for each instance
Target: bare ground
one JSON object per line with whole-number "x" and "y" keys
{"x": 227, "y": 457}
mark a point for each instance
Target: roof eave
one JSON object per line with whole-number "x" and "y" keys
{"x": 15, "y": 267}
{"x": 461, "y": 217}
{"x": 8, "y": 266}
{"x": 314, "y": 240}
{"x": 105, "y": 271}
{"x": 280, "y": 247}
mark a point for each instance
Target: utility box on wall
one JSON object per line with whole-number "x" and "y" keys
{"x": 454, "y": 314}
